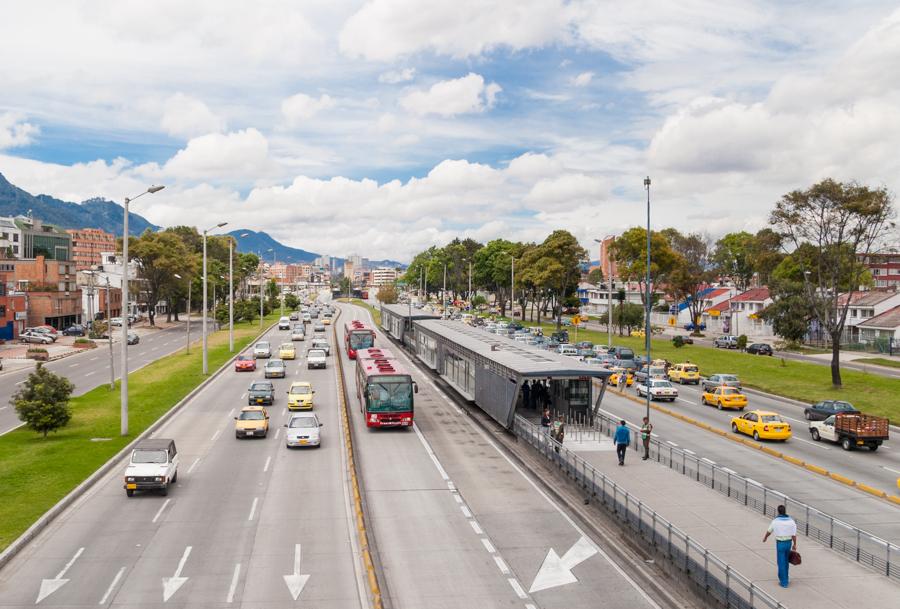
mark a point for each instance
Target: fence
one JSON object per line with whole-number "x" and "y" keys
{"x": 865, "y": 548}
{"x": 709, "y": 573}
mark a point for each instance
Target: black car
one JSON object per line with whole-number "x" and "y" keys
{"x": 826, "y": 408}
{"x": 760, "y": 349}
{"x": 74, "y": 330}
{"x": 261, "y": 392}
{"x": 133, "y": 338}
{"x": 687, "y": 340}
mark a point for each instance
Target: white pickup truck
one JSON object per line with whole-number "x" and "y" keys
{"x": 316, "y": 358}
{"x": 153, "y": 467}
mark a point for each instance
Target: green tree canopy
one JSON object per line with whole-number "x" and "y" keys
{"x": 43, "y": 401}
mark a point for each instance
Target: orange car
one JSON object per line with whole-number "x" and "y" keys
{"x": 245, "y": 363}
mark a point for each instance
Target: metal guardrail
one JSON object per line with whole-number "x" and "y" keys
{"x": 863, "y": 547}
{"x": 708, "y": 572}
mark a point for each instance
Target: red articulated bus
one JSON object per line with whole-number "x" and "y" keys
{"x": 357, "y": 335}
{"x": 385, "y": 389}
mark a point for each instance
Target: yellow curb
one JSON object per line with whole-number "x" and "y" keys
{"x": 813, "y": 468}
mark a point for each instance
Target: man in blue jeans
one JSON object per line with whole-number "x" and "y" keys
{"x": 622, "y": 439}
{"x": 785, "y": 531}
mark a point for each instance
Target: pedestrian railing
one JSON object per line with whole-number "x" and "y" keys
{"x": 865, "y": 548}
{"x": 709, "y": 573}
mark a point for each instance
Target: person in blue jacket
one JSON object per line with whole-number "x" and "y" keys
{"x": 622, "y": 439}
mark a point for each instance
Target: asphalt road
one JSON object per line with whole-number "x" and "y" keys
{"x": 244, "y": 514}
{"x": 90, "y": 368}
{"x": 457, "y": 525}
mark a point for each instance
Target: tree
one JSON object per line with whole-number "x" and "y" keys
{"x": 595, "y": 276}
{"x": 625, "y": 315}
{"x": 560, "y": 255}
{"x": 842, "y": 222}
{"x": 387, "y": 294}
{"x": 733, "y": 258}
{"x": 790, "y": 313}
{"x": 766, "y": 254}
{"x": 692, "y": 272}
{"x": 43, "y": 401}
{"x": 160, "y": 256}
{"x": 291, "y": 302}
{"x": 492, "y": 269}
{"x": 630, "y": 254}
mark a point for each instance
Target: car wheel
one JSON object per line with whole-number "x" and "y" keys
{"x": 164, "y": 490}
{"x": 129, "y": 492}
{"x": 873, "y": 447}
{"x": 702, "y": 400}
{"x": 719, "y": 405}
{"x": 807, "y": 415}
{"x": 846, "y": 445}
{"x": 734, "y": 427}
{"x": 814, "y": 433}
{"x": 755, "y": 435}
{"x": 175, "y": 478}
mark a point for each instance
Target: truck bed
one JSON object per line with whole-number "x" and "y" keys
{"x": 862, "y": 426}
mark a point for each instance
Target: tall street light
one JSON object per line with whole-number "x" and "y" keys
{"x": 647, "y": 304}
{"x": 205, "y": 354}
{"x": 125, "y": 312}
{"x": 231, "y": 294}
{"x": 187, "y": 347}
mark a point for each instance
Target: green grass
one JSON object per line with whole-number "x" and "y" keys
{"x": 879, "y": 361}
{"x": 802, "y": 381}
{"x": 35, "y": 473}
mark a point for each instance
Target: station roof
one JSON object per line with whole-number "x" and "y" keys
{"x": 402, "y": 310}
{"x": 522, "y": 359}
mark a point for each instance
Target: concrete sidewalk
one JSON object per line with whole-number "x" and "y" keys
{"x": 825, "y": 580}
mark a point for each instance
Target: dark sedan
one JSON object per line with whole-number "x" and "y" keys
{"x": 74, "y": 330}
{"x": 261, "y": 392}
{"x": 827, "y": 408}
{"x": 760, "y": 349}
{"x": 687, "y": 340}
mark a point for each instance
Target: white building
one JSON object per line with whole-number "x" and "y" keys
{"x": 384, "y": 275}
{"x": 10, "y": 237}
{"x": 865, "y": 306}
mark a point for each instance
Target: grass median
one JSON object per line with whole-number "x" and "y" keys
{"x": 376, "y": 313}
{"x": 35, "y": 472}
{"x": 871, "y": 393}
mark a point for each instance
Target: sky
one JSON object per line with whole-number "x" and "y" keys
{"x": 382, "y": 127}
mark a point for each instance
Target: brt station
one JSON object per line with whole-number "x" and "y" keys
{"x": 492, "y": 370}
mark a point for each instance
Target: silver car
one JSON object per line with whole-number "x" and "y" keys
{"x": 262, "y": 349}
{"x": 303, "y": 429}
{"x": 275, "y": 368}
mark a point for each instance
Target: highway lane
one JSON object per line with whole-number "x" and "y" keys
{"x": 457, "y": 525}
{"x": 244, "y": 514}
{"x": 880, "y": 469}
{"x": 848, "y": 504}
{"x": 90, "y": 368}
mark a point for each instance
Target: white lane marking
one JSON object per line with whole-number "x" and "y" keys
{"x": 501, "y": 564}
{"x": 710, "y": 461}
{"x": 193, "y": 465}
{"x": 672, "y": 443}
{"x": 890, "y": 469}
{"x": 517, "y": 588}
{"x": 166, "y": 343}
{"x": 752, "y": 481}
{"x": 253, "y": 508}
{"x": 215, "y": 435}
{"x": 730, "y": 471}
{"x": 488, "y": 545}
{"x": 685, "y": 401}
{"x": 465, "y": 510}
{"x": 49, "y": 586}
{"x": 244, "y": 396}
{"x": 458, "y": 499}
{"x": 75, "y": 365}
{"x": 690, "y": 452}
{"x": 88, "y": 374}
{"x": 154, "y": 348}
{"x": 3, "y": 407}
{"x": 529, "y": 606}
{"x": 112, "y": 586}
{"x": 431, "y": 454}
{"x": 21, "y": 383}
{"x": 816, "y": 444}
{"x": 268, "y": 462}
{"x": 476, "y": 527}
{"x": 234, "y": 581}
{"x": 93, "y": 359}
{"x": 160, "y": 511}
{"x": 172, "y": 584}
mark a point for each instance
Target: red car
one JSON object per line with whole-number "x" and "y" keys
{"x": 245, "y": 363}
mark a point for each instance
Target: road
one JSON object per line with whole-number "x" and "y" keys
{"x": 458, "y": 525}
{"x": 243, "y": 514}
{"x": 90, "y": 368}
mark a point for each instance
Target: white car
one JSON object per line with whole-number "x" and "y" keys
{"x": 153, "y": 467}
{"x": 660, "y": 389}
{"x": 303, "y": 429}
{"x": 262, "y": 349}
{"x": 298, "y": 334}
{"x": 284, "y": 323}
{"x": 321, "y": 343}
{"x": 316, "y": 358}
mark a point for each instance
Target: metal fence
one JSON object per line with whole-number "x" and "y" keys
{"x": 708, "y": 572}
{"x": 865, "y": 548}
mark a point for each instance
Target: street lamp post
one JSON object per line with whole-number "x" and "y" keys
{"x": 647, "y": 304}
{"x": 187, "y": 347}
{"x": 205, "y": 279}
{"x": 125, "y": 316}
{"x": 231, "y": 295}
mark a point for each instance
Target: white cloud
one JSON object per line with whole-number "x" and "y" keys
{"x": 468, "y": 94}
{"x": 14, "y": 132}
{"x": 396, "y": 76}
{"x": 225, "y": 156}
{"x": 185, "y": 116}
{"x": 583, "y": 79}
{"x": 301, "y": 107}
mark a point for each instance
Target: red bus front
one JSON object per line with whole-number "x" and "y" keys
{"x": 388, "y": 400}
{"x": 357, "y": 337}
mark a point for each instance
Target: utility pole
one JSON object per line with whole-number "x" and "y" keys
{"x": 112, "y": 368}
{"x": 444, "y": 289}
{"x": 470, "y": 285}
{"x": 230, "y": 295}
{"x": 647, "y": 307}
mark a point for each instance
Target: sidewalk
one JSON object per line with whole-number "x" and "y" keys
{"x": 825, "y": 580}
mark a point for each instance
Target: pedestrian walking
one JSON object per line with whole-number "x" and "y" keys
{"x": 784, "y": 529}
{"x": 546, "y": 419}
{"x": 646, "y": 430}
{"x": 622, "y": 439}
{"x": 559, "y": 431}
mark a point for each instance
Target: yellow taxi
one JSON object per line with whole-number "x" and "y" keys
{"x": 762, "y": 425}
{"x": 300, "y": 396}
{"x": 617, "y": 374}
{"x": 327, "y": 321}
{"x": 253, "y": 422}
{"x": 685, "y": 373}
{"x": 724, "y": 397}
{"x": 287, "y": 351}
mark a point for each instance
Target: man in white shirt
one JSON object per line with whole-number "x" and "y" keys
{"x": 785, "y": 531}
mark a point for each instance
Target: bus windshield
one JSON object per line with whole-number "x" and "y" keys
{"x": 390, "y": 396}
{"x": 361, "y": 340}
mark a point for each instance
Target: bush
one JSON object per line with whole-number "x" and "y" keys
{"x": 742, "y": 342}
{"x": 43, "y": 401}
{"x": 678, "y": 342}
{"x": 37, "y": 354}
{"x": 84, "y": 343}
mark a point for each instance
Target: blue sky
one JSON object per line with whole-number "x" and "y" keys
{"x": 381, "y": 127}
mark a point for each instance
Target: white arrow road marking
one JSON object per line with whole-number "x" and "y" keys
{"x": 557, "y": 571}
{"x": 295, "y": 581}
{"x": 172, "y": 584}
{"x": 49, "y": 586}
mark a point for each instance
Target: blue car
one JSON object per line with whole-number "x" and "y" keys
{"x": 690, "y": 326}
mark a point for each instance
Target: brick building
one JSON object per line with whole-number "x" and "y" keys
{"x": 87, "y": 245}
{"x": 51, "y": 293}
{"x": 12, "y": 304}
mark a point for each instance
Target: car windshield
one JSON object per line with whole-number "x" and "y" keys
{"x": 300, "y": 390}
{"x": 843, "y": 407}
{"x": 288, "y": 346}
{"x": 252, "y": 415}
{"x": 245, "y": 358}
{"x": 728, "y": 378}
{"x": 315, "y": 353}
{"x": 691, "y": 369}
{"x": 303, "y": 422}
{"x": 661, "y": 384}
{"x": 262, "y": 345}
{"x": 148, "y": 456}
{"x": 390, "y": 396}
{"x": 771, "y": 418}
{"x": 730, "y": 391}
{"x": 261, "y": 387}
{"x": 275, "y": 364}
